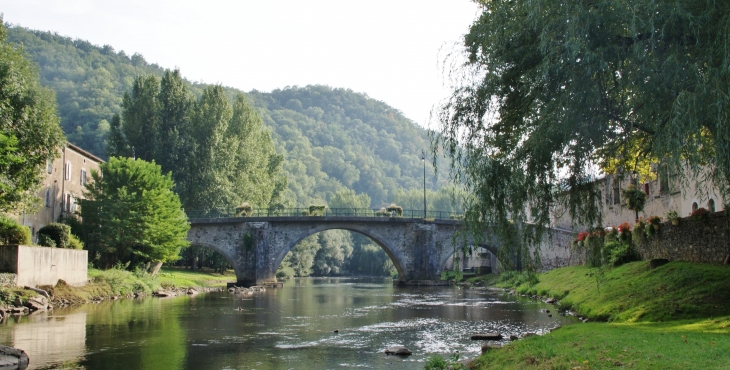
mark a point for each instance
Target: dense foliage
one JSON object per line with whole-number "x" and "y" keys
{"x": 131, "y": 215}
{"x": 555, "y": 88}
{"x": 219, "y": 154}
{"x": 330, "y": 140}
{"x": 12, "y": 233}
{"x": 29, "y": 131}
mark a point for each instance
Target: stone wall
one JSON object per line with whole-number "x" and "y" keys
{"x": 556, "y": 251}
{"x": 44, "y": 266}
{"x": 8, "y": 279}
{"x": 692, "y": 240}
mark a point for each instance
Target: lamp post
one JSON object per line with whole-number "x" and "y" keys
{"x": 423, "y": 159}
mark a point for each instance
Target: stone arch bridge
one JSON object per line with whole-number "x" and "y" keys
{"x": 255, "y": 246}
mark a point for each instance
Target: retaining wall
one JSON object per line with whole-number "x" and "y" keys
{"x": 44, "y": 266}
{"x": 704, "y": 241}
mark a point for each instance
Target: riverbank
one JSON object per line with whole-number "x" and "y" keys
{"x": 676, "y": 316}
{"x": 115, "y": 284}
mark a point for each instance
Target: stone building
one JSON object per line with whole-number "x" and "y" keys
{"x": 62, "y": 187}
{"x": 662, "y": 195}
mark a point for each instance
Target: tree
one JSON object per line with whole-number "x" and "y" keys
{"x": 131, "y": 214}
{"x": 220, "y": 155}
{"x": 30, "y": 134}
{"x": 554, "y": 88}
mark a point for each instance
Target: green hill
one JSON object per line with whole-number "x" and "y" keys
{"x": 331, "y": 138}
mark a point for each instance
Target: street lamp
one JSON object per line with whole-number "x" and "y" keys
{"x": 423, "y": 159}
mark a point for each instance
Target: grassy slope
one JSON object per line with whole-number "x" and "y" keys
{"x": 180, "y": 277}
{"x": 632, "y": 292}
{"x": 674, "y": 345}
{"x": 672, "y": 317}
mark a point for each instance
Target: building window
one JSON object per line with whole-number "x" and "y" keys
{"x": 49, "y": 166}
{"x": 694, "y": 206}
{"x": 646, "y": 189}
{"x": 616, "y": 195}
{"x": 83, "y": 177}
{"x": 48, "y": 197}
{"x": 663, "y": 183}
{"x": 67, "y": 206}
{"x": 67, "y": 175}
{"x": 711, "y": 205}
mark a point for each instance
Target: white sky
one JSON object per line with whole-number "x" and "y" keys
{"x": 393, "y": 50}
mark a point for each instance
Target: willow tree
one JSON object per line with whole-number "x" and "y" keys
{"x": 553, "y": 90}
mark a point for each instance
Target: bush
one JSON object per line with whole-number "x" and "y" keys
{"x": 12, "y": 233}
{"x": 638, "y": 234}
{"x": 436, "y": 362}
{"x": 315, "y": 210}
{"x": 75, "y": 243}
{"x": 46, "y": 241}
{"x": 452, "y": 275}
{"x": 394, "y": 208}
{"x": 59, "y": 233}
{"x": 516, "y": 278}
{"x": 619, "y": 253}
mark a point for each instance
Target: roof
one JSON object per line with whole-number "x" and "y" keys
{"x": 84, "y": 152}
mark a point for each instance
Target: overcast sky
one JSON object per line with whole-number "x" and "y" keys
{"x": 392, "y": 50}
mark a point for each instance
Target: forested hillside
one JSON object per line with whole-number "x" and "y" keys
{"x": 339, "y": 147}
{"x": 331, "y": 138}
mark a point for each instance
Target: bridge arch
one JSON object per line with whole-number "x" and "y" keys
{"x": 446, "y": 256}
{"x": 226, "y": 252}
{"x": 382, "y": 242}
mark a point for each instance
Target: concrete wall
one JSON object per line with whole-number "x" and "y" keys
{"x": 44, "y": 266}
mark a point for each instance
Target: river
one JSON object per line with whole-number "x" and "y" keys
{"x": 287, "y": 328}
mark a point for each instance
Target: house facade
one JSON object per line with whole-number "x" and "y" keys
{"x": 62, "y": 187}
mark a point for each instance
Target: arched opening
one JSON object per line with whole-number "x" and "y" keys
{"x": 205, "y": 258}
{"x": 477, "y": 259}
{"x": 694, "y": 206}
{"x": 711, "y": 205}
{"x": 337, "y": 252}
{"x": 471, "y": 259}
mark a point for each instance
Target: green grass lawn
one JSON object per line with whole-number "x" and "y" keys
{"x": 632, "y": 292}
{"x": 673, "y": 317}
{"x": 703, "y": 344}
{"x": 181, "y": 277}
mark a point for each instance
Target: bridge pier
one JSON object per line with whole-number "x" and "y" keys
{"x": 255, "y": 246}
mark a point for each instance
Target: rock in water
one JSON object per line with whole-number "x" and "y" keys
{"x": 398, "y": 350}
{"x": 17, "y": 358}
{"x": 486, "y": 336}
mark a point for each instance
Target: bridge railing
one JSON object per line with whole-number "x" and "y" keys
{"x": 305, "y": 212}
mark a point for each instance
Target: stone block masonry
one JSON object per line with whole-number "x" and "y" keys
{"x": 35, "y": 266}
{"x": 703, "y": 241}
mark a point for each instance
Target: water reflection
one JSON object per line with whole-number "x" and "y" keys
{"x": 290, "y": 328}
{"x": 48, "y": 339}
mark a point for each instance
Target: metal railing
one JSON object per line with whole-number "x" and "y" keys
{"x": 328, "y": 212}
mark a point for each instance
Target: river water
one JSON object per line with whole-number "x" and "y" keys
{"x": 289, "y": 328}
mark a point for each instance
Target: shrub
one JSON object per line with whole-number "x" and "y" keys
{"x": 382, "y": 213}
{"x": 619, "y": 253}
{"x": 611, "y": 235}
{"x": 638, "y": 234}
{"x": 46, "y": 241}
{"x": 60, "y": 233}
{"x": 394, "y": 208}
{"x": 315, "y": 210}
{"x": 436, "y": 362}
{"x": 672, "y": 215}
{"x": 624, "y": 232}
{"x": 75, "y": 243}
{"x": 12, "y": 233}
{"x": 655, "y": 220}
{"x": 635, "y": 198}
{"x": 244, "y": 210}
